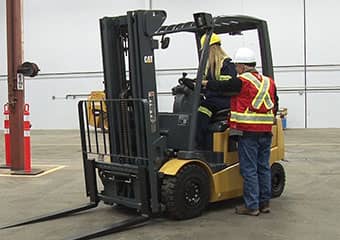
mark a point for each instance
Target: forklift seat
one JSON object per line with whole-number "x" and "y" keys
{"x": 221, "y": 115}
{"x": 219, "y": 120}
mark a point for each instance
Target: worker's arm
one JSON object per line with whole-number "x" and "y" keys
{"x": 228, "y": 82}
{"x": 228, "y": 71}
{"x": 276, "y": 104}
{"x": 233, "y": 85}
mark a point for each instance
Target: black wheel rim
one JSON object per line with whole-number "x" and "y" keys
{"x": 192, "y": 193}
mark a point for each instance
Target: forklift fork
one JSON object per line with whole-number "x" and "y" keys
{"x": 116, "y": 227}
{"x": 91, "y": 188}
{"x": 55, "y": 215}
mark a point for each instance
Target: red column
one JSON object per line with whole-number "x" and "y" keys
{"x": 16, "y": 94}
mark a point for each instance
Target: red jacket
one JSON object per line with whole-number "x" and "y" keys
{"x": 252, "y": 108}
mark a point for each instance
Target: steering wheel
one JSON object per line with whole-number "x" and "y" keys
{"x": 187, "y": 81}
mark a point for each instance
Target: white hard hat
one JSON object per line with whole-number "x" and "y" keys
{"x": 244, "y": 55}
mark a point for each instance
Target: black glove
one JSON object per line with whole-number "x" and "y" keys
{"x": 187, "y": 81}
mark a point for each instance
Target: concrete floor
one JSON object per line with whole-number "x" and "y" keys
{"x": 308, "y": 208}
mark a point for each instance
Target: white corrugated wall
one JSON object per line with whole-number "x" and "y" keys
{"x": 63, "y": 38}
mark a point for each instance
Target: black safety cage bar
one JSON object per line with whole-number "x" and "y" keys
{"x": 220, "y": 25}
{"x": 232, "y": 25}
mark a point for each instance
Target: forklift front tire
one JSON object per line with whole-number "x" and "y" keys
{"x": 278, "y": 179}
{"x": 186, "y": 194}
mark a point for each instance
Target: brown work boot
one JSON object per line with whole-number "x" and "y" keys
{"x": 243, "y": 210}
{"x": 264, "y": 207}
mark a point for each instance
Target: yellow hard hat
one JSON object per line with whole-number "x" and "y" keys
{"x": 213, "y": 40}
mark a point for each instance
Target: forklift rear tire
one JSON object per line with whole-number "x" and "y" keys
{"x": 278, "y": 179}
{"x": 187, "y": 194}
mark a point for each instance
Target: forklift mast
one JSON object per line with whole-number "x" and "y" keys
{"x": 134, "y": 134}
{"x": 131, "y": 36}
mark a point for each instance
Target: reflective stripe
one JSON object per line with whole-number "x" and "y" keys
{"x": 6, "y": 117}
{"x": 6, "y": 130}
{"x": 205, "y": 111}
{"x": 268, "y": 102}
{"x": 27, "y": 133}
{"x": 225, "y": 77}
{"x": 251, "y": 78}
{"x": 255, "y": 118}
{"x": 26, "y": 118}
{"x": 260, "y": 96}
{"x": 263, "y": 91}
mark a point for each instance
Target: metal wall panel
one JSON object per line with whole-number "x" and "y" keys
{"x": 3, "y": 38}
{"x": 63, "y": 36}
{"x": 323, "y": 109}
{"x": 322, "y": 33}
{"x": 54, "y": 105}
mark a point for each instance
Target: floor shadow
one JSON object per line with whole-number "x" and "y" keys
{"x": 224, "y": 205}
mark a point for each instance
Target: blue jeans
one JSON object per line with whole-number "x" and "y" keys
{"x": 254, "y": 153}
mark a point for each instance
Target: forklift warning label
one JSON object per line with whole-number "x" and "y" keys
{"x": 148, "y": 59}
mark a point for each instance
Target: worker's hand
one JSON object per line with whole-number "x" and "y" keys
{"x": 204, "y": 83}
{"x": 188, "y": 82}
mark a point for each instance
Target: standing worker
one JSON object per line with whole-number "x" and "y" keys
{"x": 219, "y": 68}
{"x": 252, "y": 115}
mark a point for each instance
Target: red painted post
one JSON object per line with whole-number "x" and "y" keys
{"x": 16, "y": 93}
{"x": 17, "y": 70}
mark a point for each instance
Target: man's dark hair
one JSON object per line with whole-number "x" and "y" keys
{"x": 250, "y": 64}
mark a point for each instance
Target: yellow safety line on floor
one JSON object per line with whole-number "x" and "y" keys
{"x": 50, "y": 171}
{"x": 56, "y": 168}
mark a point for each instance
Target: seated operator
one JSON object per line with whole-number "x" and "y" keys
{"x": 219, "y": 69}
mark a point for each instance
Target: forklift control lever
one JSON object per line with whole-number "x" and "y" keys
{"x": 190, "y": 83}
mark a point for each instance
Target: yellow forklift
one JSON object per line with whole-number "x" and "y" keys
{"x": 146, "y": 159}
